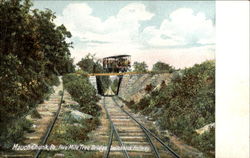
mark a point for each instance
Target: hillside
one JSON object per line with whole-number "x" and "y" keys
{"x": 181, "y": 103}
{"x": 133, "y": 87}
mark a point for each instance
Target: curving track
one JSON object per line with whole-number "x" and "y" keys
{"x": 128, "y": 131}
{"x": 51, "y": 125}
{"x": 49, "y": 111}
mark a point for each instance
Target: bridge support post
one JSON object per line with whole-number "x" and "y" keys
{"x": 119, "y": 83}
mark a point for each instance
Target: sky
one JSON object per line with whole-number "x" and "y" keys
{"x": 180, "y": 33}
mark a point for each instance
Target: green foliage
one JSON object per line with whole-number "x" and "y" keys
{"x": 144, "y": 103}
{"x": 191, "y": 102}
{"x": 14, "y": 132}
{"x": 80, "y": 132}
{"x": 72, "y": 131}
{"x": 89, "y": 65}
{"x": 205, "y": 141}
{"x": 140, "y": 67}
{"x": 114, "y": 85}
{"x": 82, "y": 92}
{"x": 81, "y": 72}
{"x": 187, "y": 103}
{"x": 33, "y": 52}
{"x": 105, "y": 82}
{"x": 162, "y": 67}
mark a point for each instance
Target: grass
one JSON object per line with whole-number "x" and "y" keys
{"x": 70, "y": 131}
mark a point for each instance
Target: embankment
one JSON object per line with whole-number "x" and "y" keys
{"x": 133, "y": 86}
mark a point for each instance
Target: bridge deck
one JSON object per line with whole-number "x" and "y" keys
{"x": 116, "y": 74}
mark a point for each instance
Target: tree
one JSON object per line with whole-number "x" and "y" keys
{"x": 33, "y": 52}
{"x": 140, "y": 67}
{"x": 162, "y": 67}
{"x": 82, "y": 92}
{"x": 89, "y": 65}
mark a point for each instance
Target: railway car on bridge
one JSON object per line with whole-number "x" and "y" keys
{"x": 119, "y": 63}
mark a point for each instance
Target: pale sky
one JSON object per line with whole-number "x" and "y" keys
{"x": 180, "y": 33}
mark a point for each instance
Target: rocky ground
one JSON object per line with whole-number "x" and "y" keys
{"x": 132, "y": 86}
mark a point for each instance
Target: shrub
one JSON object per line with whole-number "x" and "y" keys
{"x": 149, "y": 88}
{"x": 82, "y": 92}
{"x": 205, "y": 141}
{"x": 60, "y": 92}
{"x": 162, "y": 67}
{"x": 13, "y": 133}
{"x": 187, "y": 103}
{"x": 76, "y": 133}
{"x": 88, "y": 64}
{"x": 114, "y": 85}
{"x": 73, "y": 133}
{"x": 143, "y": 104}
{"x": 140, "y": 67}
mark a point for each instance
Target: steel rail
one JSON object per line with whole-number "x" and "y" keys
{"x": 151, "y": 143}
{"x": 148, "y": 138}
{"x": 50, "y": 127}
{"x": 111, "y": 132}
{"x": 113, "y": 129}
{"x": 110, "y": 142}
{"x": 167, "y": 148}
{"x": 125, "y": 153}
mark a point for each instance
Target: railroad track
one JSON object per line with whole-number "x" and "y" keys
{"x": 129, "y": 132}
{"x": 49, "y": 112}
{"x": 50, "y": 127}
{"x": 124, "y": 127}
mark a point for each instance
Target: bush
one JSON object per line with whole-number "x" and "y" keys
{"x": 80, "y": 132}
{"x": 205, "y": 141}
{"x": 60, "y": 93}
{"x": 89, "y": 65}
{"x": 187, "y": 103}
{"x": 33, "y": 52}
{"x": 13, "y": 133}
{"x": 82, "y": 92}
{"x": 140, "y": 67}
{"x": 191, "y": 100}
{"x": 149, "y": 88}
{"x": 114, "y": 85}
{"x": 73, "y": 131}
{"x": 162, "y": 67}
{"x": 143, "y": 106}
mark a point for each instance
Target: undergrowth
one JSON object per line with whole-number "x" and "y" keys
{"x": 187, "y": 103}
{"x": 70, "y": 130}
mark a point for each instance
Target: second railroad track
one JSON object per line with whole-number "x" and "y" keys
{"x": 133, "y": 138}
